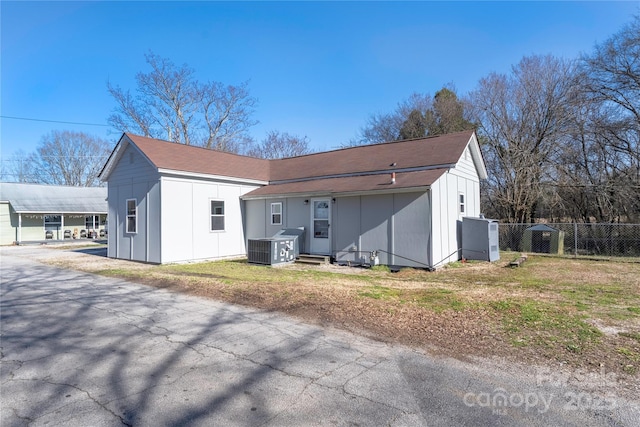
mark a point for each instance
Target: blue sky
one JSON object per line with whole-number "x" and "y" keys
{"x": 318, "y": 69}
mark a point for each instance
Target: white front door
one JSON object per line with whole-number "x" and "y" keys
{"x": 320, "y": 223}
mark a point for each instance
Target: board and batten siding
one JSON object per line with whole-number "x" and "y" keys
{"x": 294, "y": 214}
{"x": 445, "y": 193}
{"x": 396, "y": 225}
{"x": 376, "y": 225}
{"x": 133, "y": 177}
{"x": 186, "y": 219}
{"x": 256, "y": 218}
{"x": 468, "y": 184}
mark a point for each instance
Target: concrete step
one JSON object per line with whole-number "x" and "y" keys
{"x": 313, "y": 259}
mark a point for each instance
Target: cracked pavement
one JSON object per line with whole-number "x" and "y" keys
{"x": 79, "y": 349}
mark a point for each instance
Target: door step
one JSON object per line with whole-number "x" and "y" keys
{"x": 313, "y": 259}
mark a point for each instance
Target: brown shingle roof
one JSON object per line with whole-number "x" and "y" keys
{"x": 352, "y": 184}
{"x": 418, "y": 163}
{"x": 186, "y": 158}
{"x": 417, "y": 153}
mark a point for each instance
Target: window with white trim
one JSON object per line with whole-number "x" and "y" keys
{"x": 217, "y": 215}
{"x": 461, "y": 202}
{"x": 52, "y": 222}
{"x": 132, "y": 215}
{"x": 276, "y": 213}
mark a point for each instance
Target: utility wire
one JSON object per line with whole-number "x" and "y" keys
{"x": 52, "y": 121}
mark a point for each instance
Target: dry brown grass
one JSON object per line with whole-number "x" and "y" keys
{"x": 578, "y": 312}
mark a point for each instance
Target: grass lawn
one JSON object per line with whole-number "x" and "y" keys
{"x": 581, "y": 313}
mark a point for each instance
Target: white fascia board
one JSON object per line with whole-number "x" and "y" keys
{"x": 114, "y": 158}
{"x": 476, "y": 155}
{"x": 343, "y": 194}
{"x": 182, "y": 174}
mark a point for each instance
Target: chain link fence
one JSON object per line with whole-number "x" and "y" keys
{"x": 611, "y": 240}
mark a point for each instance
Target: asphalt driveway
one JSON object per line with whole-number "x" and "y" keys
{"x": 79, "y": 350}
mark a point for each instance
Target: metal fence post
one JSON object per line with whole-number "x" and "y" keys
{"x": 575, "y": 239}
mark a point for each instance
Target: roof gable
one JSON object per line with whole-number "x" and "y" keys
{"x": 169, "y": 156}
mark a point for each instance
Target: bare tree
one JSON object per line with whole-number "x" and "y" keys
{"x": 612, "y": 76}
{"x": 597, "y": 179}
{"x": 611, "y": 86}
{"x": 64, "y": 158}
{"x": 18, "y": 168}
{"x": 170, "y": 93}
{"x": 586, "y": 168}
{"x": 523, "y": 117}
{"x": 171, "y": 104}
{"x": 132, "y": 115}
{"x": 227, "y": 115}
{"x": 280, "y": 145}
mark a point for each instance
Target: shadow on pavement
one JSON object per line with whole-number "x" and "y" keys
{"x": 116, "y": 351}
{"x": 101, "y": 251}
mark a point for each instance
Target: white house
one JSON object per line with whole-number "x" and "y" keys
{"x": 172, "y": 203}
{"x": 36, "y": 212}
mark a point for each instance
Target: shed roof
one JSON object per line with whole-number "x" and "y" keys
{"x": 350, "y": 184}
{"x": 431, "y": 152}
{"x": 541, "y": 227}
{"x": 54, "y": 199}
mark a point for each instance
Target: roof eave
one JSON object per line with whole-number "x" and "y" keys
{"x": 49, "y": 212}
{"x": 337, "y": 193}
{"x": 366, "y": 173}
{"x": 114, "y": 157}
{"x": 178, "y": 173}
{"x": 476, "y": 155}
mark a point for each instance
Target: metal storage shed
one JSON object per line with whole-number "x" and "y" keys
{"x": 543, "y": 239}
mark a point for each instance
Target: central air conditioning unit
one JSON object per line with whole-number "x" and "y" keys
{"x": 271, "y": 251}
{"x": 282, "y": 248}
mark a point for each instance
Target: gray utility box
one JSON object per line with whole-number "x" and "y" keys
{"x": 271, "y": 251}
{"x": 480, "y": 239}
{"x": 297, "y": 234}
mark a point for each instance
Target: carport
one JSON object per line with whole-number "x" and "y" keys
{"x": 35, "y": 212}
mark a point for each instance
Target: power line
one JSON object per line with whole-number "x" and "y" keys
{"x": 52, "y": 121}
